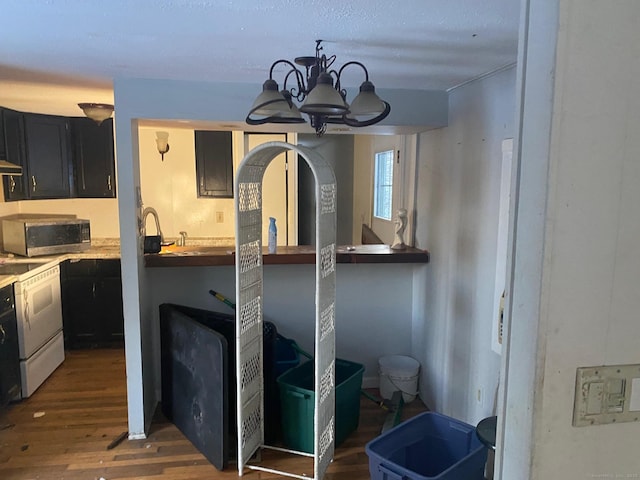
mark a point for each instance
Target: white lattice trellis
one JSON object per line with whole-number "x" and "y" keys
{"x": 249, "y": 354}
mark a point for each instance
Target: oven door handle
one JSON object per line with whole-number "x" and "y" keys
{"x": 26, "y": 309}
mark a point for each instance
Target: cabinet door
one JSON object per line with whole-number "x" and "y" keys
{"x": 80, "y": 312}
{"x": 93, "y": 158}
{"x": 47, "y": 156}
{"x": 15, "y": 185}
{"x": 92, "y": 304}
{"x": 3, "y": 150}
{"x": 112, "y": 320}
{"x": 214, "y": 163}
{"x": 9, "y": 355}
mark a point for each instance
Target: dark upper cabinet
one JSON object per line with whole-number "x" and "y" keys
{"x": 214, "y": 163}
{"x": 93, "y": 158}
{"x": 47, "y": 142}
{"x": 3, "y": 150}
{"x": 60, "y": 157}
{"x": 15, "y": 152}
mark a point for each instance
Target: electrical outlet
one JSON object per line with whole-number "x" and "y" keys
{"x": 219, "y": 217}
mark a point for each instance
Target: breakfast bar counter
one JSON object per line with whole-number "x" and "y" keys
{"x": 286, "y": 255}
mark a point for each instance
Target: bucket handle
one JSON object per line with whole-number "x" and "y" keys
{"x": 397, "y": 387}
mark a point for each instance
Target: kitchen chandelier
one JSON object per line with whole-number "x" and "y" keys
{"x": 323, "y": 102}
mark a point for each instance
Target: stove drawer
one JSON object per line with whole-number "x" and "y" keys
{"x": 40, "y": 366}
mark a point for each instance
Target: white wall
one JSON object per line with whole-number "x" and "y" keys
{"x": 338, "y": 151}
{"x": 362, "y": 184}
{"x": 373, "y": 317}
{"x": 457, "y": 220}
{"x": 170, "y": 186}
{"x": 8, "y": 208}
{"x": 102, "y": 212}
{"x": 590, "y": 263}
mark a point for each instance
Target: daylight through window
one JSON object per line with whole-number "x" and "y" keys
{"x": 383, "y": 185}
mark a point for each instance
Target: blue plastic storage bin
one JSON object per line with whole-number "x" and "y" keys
{"x": 426, "y": 447}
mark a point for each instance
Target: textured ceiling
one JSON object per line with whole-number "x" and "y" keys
{"x": 82, "y": 45}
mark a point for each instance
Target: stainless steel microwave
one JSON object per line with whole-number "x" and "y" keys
{"x": 45, "y": 235}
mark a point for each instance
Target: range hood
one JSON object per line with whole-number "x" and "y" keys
{"x": 8, "y": 168}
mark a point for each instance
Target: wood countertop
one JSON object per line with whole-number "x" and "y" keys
{"x": 200, "y": 256}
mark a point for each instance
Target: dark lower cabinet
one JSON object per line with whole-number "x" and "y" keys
{"x": 92, "y": 303}
{"x": 9, "y": 354}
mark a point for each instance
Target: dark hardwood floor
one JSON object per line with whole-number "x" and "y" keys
{"x": 64, "y": 429}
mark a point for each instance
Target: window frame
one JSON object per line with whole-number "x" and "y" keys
{"x": 388, "y": 156}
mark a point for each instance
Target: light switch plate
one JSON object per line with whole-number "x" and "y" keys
{"x": 607, "y": 394}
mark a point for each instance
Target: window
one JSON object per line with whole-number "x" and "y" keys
{"x": 383, "y": 185}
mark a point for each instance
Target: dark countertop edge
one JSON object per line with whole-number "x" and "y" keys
{"x": 302, "y": 255}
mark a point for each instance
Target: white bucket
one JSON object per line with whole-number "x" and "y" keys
{"x": 399, "y": 372}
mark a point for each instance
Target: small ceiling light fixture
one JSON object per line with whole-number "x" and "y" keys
{"x": 162, "y": 142}
{"x": 323, "y": 101}
{"x": 98, "y": 112}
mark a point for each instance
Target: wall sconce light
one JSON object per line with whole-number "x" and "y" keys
{"x": 162, "y": 141}
{"x": 98, "y": 112}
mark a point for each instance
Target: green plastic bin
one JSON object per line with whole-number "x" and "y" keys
{"x": 297, "y": 399}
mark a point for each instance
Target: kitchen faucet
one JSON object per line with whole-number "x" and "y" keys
{"x": 182, "y": 241}
{"x": 152, "y": 211}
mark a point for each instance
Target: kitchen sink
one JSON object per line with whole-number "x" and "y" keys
{"x": 180, "y": 251}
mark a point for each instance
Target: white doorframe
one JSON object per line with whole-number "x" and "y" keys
{"x": 519, "y": 395}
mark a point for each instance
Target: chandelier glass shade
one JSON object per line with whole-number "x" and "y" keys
{"x": 318, "y": 90}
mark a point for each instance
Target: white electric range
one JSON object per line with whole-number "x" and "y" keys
{"x": 39, "y": 318}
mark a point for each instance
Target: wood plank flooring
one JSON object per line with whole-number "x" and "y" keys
{"x": 64, "y": 429}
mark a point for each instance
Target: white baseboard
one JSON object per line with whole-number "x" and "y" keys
{"x": 370, "y": 382}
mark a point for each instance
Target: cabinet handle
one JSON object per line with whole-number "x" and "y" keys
{"x": 4, "y": 335}
{"x": 33, "y": 182}
{"x": 12, "y": 184}
{"x": 109, "y": 182}
{"x": 93, "y": 290}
